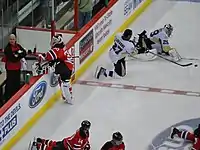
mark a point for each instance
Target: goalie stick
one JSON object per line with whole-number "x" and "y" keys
{"x": 182, "y": 65}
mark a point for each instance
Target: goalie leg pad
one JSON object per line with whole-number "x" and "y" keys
{"x": 174, "y": 54}
{"x": 147, "y": 56}
{"x": 67, "y": 91}
{"x": 151, "y": 56}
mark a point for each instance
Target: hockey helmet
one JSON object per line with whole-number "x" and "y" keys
{"x": 127, "y": 34}
{"x": 85, "y": 125}
{"x": 57, "y": 40}
{"x": 168, "y": 28}
{"x": 117, "y": 138}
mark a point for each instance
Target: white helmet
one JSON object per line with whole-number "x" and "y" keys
{"x": 56, "y": 39}
{"x": 168, "y": 29}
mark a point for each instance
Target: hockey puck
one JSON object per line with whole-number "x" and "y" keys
{"x": 195, "y": 65}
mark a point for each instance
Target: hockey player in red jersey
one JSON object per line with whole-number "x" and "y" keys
{"x": 115, "y": 144}
{"x": 193, "y": 137}
{"x": 63, "y": 61}
{"x": 78, "y": 141}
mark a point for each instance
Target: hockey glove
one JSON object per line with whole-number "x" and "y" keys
{"x": 87, "y": 147}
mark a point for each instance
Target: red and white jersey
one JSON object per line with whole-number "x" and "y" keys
{"x": 191, "y": 137}
{"x": 76, "y": 142}
{"x": 61, "y": 54}
{"x": 110, "y": 146}
{"x": 195, "y": 140}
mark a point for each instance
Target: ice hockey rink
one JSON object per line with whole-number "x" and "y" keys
{"x": 143, "y": 105}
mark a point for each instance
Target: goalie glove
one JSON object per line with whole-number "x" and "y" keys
{"x": 37, "y": 69}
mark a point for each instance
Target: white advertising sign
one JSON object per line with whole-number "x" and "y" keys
{"x": 19, "y": 113}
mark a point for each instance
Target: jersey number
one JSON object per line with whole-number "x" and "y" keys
{"x": 154, "y": 33}
{"x": 117, "y": 48}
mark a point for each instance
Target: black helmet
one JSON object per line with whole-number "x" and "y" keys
{"x": 127, "y": 34}
{"x": 57, "y": 41}
{"x": 85, "y": 124}
{"x": 117, "y": 136}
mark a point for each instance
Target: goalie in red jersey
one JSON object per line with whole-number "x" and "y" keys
{"x": 115, "y": 144}
{"x": 63, "y": 63}
{"x": 193, "y": 137}
{"x": 78, "y": 141}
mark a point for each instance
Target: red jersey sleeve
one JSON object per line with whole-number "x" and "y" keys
{"x": 190, "y": 136}
{"x": 52, "y": 54}
{"x": 187, "y": 135}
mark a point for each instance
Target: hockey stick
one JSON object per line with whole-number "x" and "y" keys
{"x": 182, "y": 65}
{"x": 195, "y": 59}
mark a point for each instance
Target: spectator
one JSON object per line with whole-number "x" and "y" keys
{"x": 98, "y": 6}
{"x": 46, "y": 9}
{"x": 85, "y": 12}
{"x": 14, "y": 52}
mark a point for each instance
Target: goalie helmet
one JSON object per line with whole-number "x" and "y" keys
{"x": 57, "y": 40}
{"x": 168, "y": 29}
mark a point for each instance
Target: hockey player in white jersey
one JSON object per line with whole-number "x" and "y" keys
{"x": 121, "y": 48}
{"x": 160, "y": 37}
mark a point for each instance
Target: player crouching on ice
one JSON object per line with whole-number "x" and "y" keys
{"x": 193, "y": 137}
{"x": 78, "y": 141}
{"x": 160, "y": 39}
{"x": 115, "y": 144}
{"x": 122, "y": 47}
{"x": 62, "y": 61}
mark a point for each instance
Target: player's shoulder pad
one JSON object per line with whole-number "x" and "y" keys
{"x": 107, "y": 145}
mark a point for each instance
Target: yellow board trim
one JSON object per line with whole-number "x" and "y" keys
{"x": 79, "y": 72}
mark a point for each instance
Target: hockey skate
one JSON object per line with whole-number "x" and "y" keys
{"x": 33, "y": 145}
{"x": 174, "y": 132}
{"x": 99, "y": 71}
{"x": 67, "y": 100}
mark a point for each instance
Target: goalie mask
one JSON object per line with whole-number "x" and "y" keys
{"x": 168, "y": 29}
{"x": 57, "y": 40}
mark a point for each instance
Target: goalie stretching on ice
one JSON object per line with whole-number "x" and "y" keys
{"x": 149, "y": 47}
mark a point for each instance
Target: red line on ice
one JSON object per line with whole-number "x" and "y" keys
{"x": 138, "y": 88}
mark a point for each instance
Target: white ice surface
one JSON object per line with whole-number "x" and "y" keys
{"x": 140, "y": 116}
